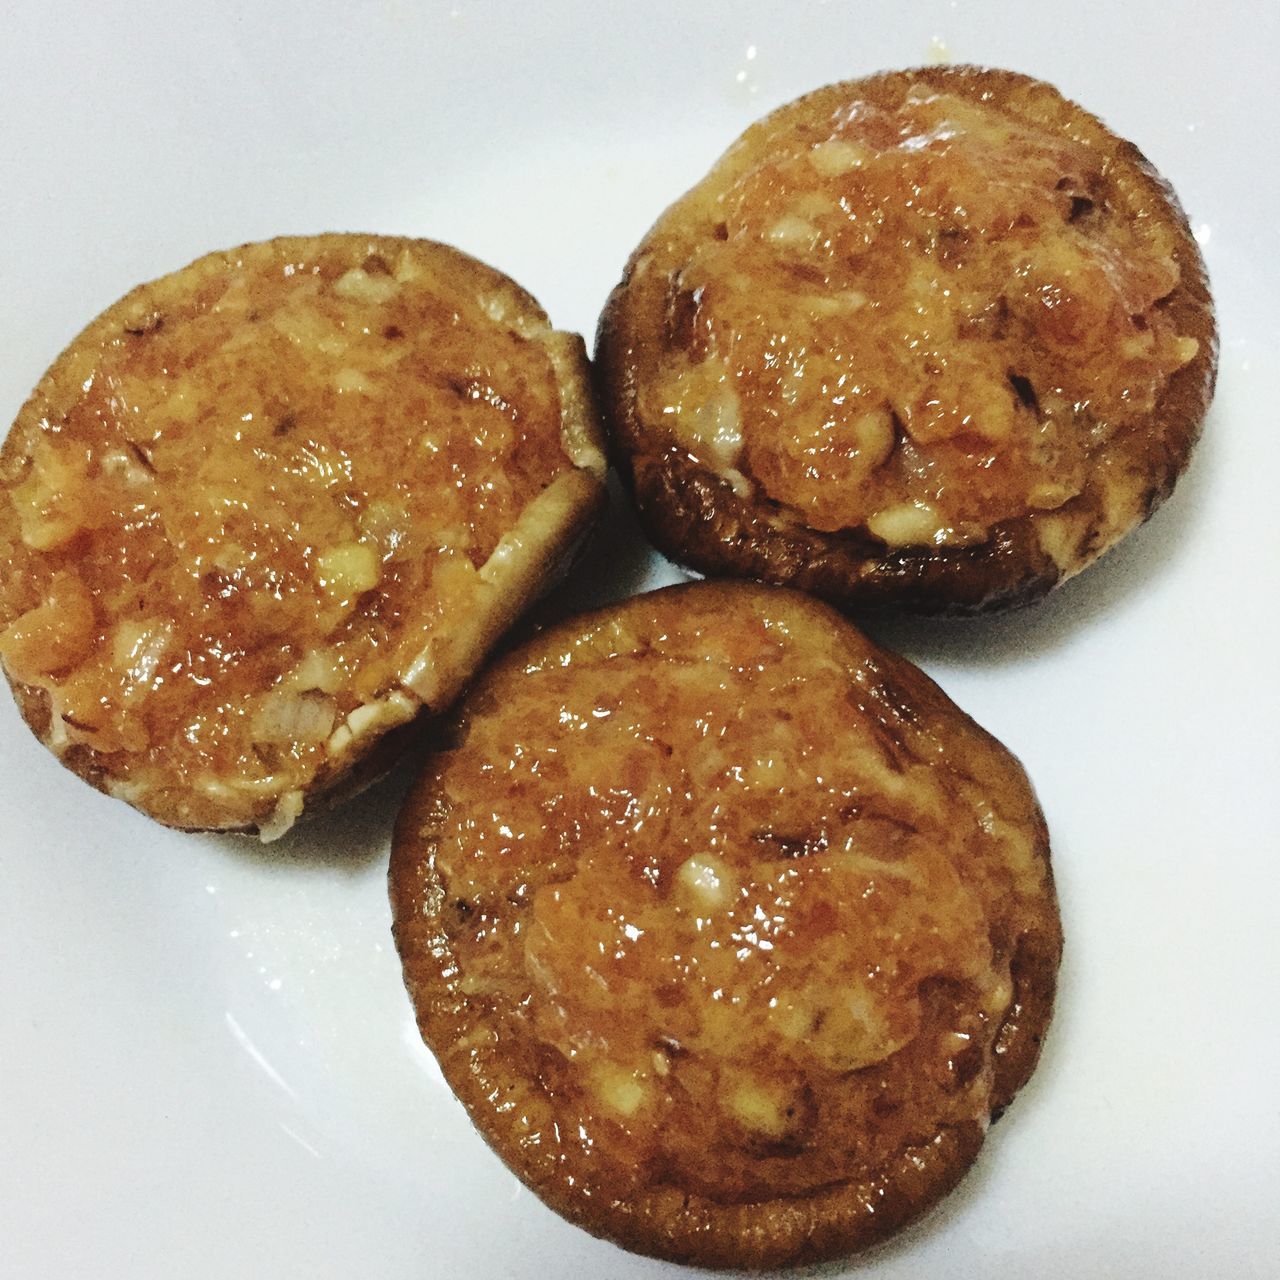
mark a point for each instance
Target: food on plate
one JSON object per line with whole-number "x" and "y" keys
{"x": 265, "y": 512}
{"x": 731, "y": 932}
{"x": 933, "y": 340}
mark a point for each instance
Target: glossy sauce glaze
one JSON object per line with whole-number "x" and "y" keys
{"x": 709, "y": 898}
{"x": 919, "y": 314}
{"x": 237, "y": 508}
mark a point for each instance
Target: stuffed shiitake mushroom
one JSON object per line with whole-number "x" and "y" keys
{"x": 932, "y": 341}
{"x": 265, "y": 512}
{"x": 731, "y": 932}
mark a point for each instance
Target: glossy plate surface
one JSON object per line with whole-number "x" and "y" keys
{"x": 208, "y": 1066}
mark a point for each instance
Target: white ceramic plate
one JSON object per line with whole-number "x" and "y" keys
{"x": 208, "y": 1066}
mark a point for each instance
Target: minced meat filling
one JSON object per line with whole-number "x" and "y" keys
{"x": 751, "y": 917}
{"x": 918, "y": 317}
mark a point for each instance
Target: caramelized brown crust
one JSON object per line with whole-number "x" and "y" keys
{"x": 933, "y": 340}
{"x": 730, "y": 931}
{"x": 267, "y": 511}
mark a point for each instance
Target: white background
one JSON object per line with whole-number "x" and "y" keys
{"x": 207, "y": 1063}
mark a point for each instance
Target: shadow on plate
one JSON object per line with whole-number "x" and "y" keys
{"x": 349, "y": 837}
{"x": 619, "y": 562}
{"x": 1117, "y": 582}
